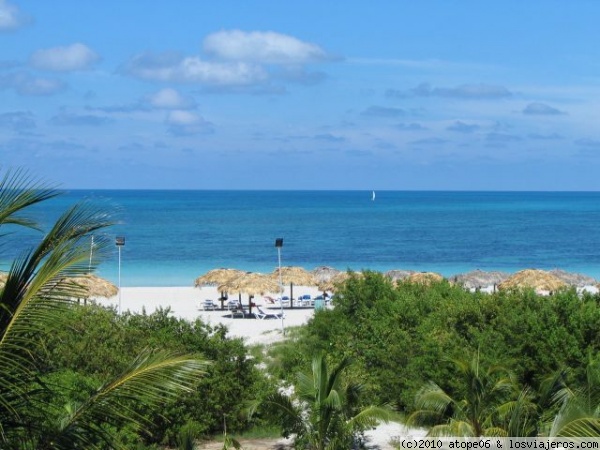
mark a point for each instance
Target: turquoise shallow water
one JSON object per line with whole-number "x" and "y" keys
{"x": 174, "y": 236}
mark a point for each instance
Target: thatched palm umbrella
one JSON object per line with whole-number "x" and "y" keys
{"x": 217, "y": 277}
{"x": 477, "y": 279}
{"x": 539, "y": 280}
{"x": 338, "y": 280}
{"x": 574, "y": 279}
{"x": 88, "y": 286}
{"x": 294, "y": 275}
{"x": 398, "y": 275}
{"x": 96, "y": 286}
{"x": 324, "y": 274}
{"x": 252, "y": 284}
{"x": 424, "y": 278}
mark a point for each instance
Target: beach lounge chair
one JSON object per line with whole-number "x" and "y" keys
{"x": 209, "y": 305}
{"x": 233, "y": 305}
{"x": 266, "y": 315}
{"x": 306, "y": 301}
{"x": 238, "y": 311}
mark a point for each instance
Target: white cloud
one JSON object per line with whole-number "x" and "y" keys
{"x": 17, "y": 120}
{"x": 537, "y": 108}
{"x": 61, "y": 59}
{"x": 465, "y": 91}
{"x": 462, "y": 127}
{"x": 186, "y": 123}
{"x": 65, "y": 118}
{"x": 262, "y": 47}
{"x": 234, "y": 61}
{"x": 383, "y": 111}
{"x": 169, "y": 98}
{"x": 10, "y": 16}
{"x": 178, "y": 117}
{"x": 39, "y": 86}
{"x": 26, "y": 84}
{"x": 171, "y": 68}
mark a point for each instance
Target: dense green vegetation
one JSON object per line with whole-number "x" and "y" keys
{"x": 108, "y": 341}
{"x": 460, "y": 363}
{"x": 83, "y": 377}
{"x": 465, "y": 363}
{"x": 402, "y": 339}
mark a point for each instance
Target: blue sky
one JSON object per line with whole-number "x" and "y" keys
{"x": 302, "y": 95}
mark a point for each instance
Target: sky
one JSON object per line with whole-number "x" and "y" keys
{"x": 398, "y": 95}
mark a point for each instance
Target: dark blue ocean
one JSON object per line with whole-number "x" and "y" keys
{"x": 174, "y": 236}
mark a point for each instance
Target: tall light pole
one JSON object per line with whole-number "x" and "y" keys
{"x": 279, "y": 244}
{"x": 91, "y": 253}
{"x": 120, "y": 241}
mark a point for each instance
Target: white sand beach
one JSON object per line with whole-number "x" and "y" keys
{"x": 186, "y": 303}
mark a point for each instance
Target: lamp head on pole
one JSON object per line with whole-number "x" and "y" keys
{"x": 279, "y": 242}
{"x": 120, "y": 241}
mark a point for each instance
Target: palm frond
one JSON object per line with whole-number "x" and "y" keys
{"x": 30, "y": 290}
{"x": 32, "y": 301}
{"x": 333, "y": 400}
{"x": 152, "y": 378}
{"x": 497, "y": 432}
{"x": 371, "y": 416}
{"x": 282, "y": 404}
{"x": 28, "y": 310}
{"x": 432, "y": 397}
{"x": 423, "y": 417}
{"x": 519, "y": 416}
{"x": 582, "y": 427}
{"x": 18, "y": 191}
{"x": 319, "y": 375}
{"x": 333, "y": 378}
{"x": 551, "y": 386}
{"x": 578, "y": 411}
{"x": 456, "y": 428}
{"x": 305, "y": 387}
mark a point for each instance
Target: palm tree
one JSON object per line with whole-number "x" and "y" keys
{"x": 521, "y": 416}
{"x": 579, "y": 413}
{"x": 32, "y": 301}
{"x": 324, "y": 413}
{"x": 487, "y": 401}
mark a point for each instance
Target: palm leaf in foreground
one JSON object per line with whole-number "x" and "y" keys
{"x": 18, "y": 192}
{"x": 579, "y": 414}
{"x": 151, "y": 380}
{"x": 32, "y": 303}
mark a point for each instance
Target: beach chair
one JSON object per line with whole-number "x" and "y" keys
{"x": 238, "y": 311}
{"x": 307, "y": 301}
{"x": 233, "y": 305}
{"x": 266, "y": 315}
{"x": 209, "y": 305}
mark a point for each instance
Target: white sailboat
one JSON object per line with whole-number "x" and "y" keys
{"x": 373, "y": 196}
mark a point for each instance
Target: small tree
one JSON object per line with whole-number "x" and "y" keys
{"x": 324, "y": 412}
{"x": 482, "y": 409}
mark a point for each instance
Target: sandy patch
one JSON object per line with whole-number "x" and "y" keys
{"x": 186, "y": 303}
